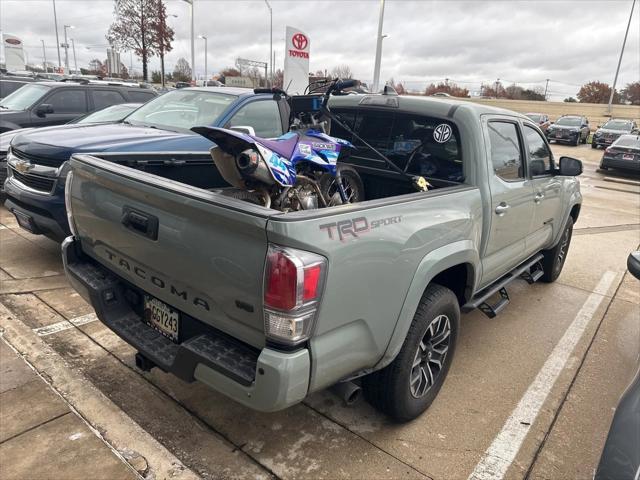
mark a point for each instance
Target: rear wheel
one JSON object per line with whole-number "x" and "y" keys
{"x": 555, "y": 257}
{"x": 408, "y": 385}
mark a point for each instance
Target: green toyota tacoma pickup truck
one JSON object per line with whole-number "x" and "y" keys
{"x": 268, "y": 307}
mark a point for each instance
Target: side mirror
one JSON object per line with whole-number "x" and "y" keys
{"x": 633, "y": 264}
{"x": 244, "y": 129}
{"x": 570, "y": 167}
{"x": 551, "y": 123}
{"x": 43, "y": 109}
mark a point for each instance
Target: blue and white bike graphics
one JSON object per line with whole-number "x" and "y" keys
{"x": 296, "y": 171}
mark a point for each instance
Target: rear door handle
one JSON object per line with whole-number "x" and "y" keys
{"x": 502, "y": 208}
{"x": 538, "y": 198}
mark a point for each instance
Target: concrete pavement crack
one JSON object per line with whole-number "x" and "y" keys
{"x": 34, "y": 427}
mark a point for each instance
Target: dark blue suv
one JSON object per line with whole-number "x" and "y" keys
{"x": 155, "y": 138}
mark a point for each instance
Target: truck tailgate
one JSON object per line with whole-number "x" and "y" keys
{"x": 137, "y": 225}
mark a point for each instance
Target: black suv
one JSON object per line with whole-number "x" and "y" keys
{"x": 611, "y": 130}
{"x": 40, "y": 104}
{"x": 572, "y": 129}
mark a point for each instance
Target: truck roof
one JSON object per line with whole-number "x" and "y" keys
{"x": 425, "y": 105}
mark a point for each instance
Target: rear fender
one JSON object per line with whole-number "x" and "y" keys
{"x": 431, "y": 265}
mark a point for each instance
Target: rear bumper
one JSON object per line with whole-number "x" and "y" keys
{"x": 265, "y": 380}
{"x": 631, "y": 165}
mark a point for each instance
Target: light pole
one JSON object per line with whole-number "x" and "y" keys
{"x": 75, "y": 63}
{"x": 55, "y": 22}
{"x": 376, "y": 68}
{"x": 44, "y": 54}
{"x": 204, "y": 37}
{"x": 615, "y": 79}
{"x": 193, "y": 51}
{"x": 66, "y": 49}
{"x": 270, "y": 39}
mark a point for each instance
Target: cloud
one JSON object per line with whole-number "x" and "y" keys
{"x": 570, "y": 42}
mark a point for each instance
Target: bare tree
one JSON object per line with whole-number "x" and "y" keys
{"x": 140, "y": 26}
{"x": 182, "y": 71}
{"x": 342, "y": 71}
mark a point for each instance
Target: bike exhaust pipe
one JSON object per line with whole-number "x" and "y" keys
{"x": 349, "y": 392}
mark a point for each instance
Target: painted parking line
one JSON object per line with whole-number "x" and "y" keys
{"x": 498, "y": 457}
{"x": 65, "y": 325}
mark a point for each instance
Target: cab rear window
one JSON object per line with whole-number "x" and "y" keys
{"x": 418, "y": 144}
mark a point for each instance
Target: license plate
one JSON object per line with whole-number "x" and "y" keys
{"x": 162, "y": 317}
{"x": 25, "y": 221}
{"x": 627, "y": 156}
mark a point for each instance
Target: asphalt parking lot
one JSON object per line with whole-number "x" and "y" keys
{"x": 169, "y": 429}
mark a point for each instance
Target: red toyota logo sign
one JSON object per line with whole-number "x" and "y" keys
{"x": 15, "y": 41}
{"x": 299, "y": 41}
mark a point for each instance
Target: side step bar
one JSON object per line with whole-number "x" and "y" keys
{"x": 530, "y": 270}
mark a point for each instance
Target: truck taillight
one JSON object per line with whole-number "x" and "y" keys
{"x": 293, "y": 283}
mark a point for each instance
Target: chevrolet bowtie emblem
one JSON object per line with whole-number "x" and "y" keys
{"x": 23, "y": 166}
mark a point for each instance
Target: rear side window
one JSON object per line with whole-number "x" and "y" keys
{"x": 106, "y": 98}
{"x": 346, "y": 118}
{"x": 140, "y": 96}
{"x": 426, "y": 146}
{"x": 375, "y": 129}
{"x": 64, "y": 100}
{"x": 539, "y": 154}
{"x": 505, "y": 151}
{"x": 263, "y": 116}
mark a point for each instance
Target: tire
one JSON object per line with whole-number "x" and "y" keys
{"x": 351, "y": 181}
{"x": 390, "y": 389}
{"x": 555, "y": 257}
{"x": 594, "y": 145}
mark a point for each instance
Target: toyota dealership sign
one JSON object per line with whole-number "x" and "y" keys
{"x": 296, "y": 61}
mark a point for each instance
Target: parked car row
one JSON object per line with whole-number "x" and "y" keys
{"x": 575, "y": 129}
{"x": 44, "y": 103}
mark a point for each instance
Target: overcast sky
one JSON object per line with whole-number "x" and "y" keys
{"x": 569, "y": 42}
